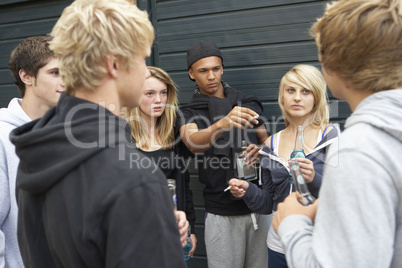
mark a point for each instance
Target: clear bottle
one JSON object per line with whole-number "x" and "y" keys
{"x": 298, "y": 150}
{"x": 306, "y": 198}
{"x": 172, "y": 188}
{"x": 244, "y": 172}
{"x": 188, "y": 245}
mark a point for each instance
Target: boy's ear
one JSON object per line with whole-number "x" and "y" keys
{"x": 112, "y": 65}
{"x": 190, "y": 73}
{"x": 26, "y": 78}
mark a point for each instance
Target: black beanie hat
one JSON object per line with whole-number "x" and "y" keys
{"x": 202, "y": 49}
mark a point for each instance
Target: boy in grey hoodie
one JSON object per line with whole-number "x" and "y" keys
{"x": 358, "y": 219}
{"x": 36, "y": 74}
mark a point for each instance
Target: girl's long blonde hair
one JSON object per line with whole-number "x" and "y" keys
{"x": 308, "y": 77}
{"x": 164, "y": 123}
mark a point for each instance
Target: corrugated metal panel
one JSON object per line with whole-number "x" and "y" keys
{"x": 7, "y": 2}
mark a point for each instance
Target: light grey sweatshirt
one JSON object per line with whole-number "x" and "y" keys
{"x": 10, "y": 118}
{"x": 359, "y": 217}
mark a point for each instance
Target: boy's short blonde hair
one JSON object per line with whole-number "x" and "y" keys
{"x": 361, "y": 41}
{"x": 308, "y": 77}
{"x": 88, "y": 31}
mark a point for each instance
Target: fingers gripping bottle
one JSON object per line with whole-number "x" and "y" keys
{"x": 188, "y": 246}
{"x": 305, "y": 198}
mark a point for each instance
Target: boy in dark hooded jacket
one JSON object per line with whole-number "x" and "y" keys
{"x": 81, "y": 201}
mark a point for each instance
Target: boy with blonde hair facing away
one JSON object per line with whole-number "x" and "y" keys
{"x": 358, "y": 219}
{"x": 81, "y": 203}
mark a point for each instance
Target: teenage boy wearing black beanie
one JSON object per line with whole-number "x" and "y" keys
{"x": 212, "y": 126}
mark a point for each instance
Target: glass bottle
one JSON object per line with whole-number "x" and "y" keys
{"x": 188, "y": 245}
{"x": 172, "y": 188}
{"x": 298, "y": 150}
{"x": 306, "y": 198}
{"x": 244, "y": 172}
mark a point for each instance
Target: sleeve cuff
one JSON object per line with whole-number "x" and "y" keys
{"x": 293, "y": 223}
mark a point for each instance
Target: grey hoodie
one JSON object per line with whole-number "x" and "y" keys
{"x": 359, "y": 217}
{"x": 10, "y": 118}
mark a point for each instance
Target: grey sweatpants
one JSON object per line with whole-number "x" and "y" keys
{"x": 233, "y": 242}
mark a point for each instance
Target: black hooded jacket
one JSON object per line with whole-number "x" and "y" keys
{"x": 82, "y": 202}
{"x": 215, "y": 166}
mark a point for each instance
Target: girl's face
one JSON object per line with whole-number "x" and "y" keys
{"x": 154, "y": 97}
{"x": 297, "y": 101}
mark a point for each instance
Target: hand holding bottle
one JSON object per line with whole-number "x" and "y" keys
{"x": 307, "y": 168}
{"x": 188, "y": 246}
{"x": 191, "y": 243}
{"x": 181, "y": 218}
{"x": 194, "y": 245}
{"x": 305, "y": 198}
{"x": 291, "y": 206}
{"x": 182, "y": 224}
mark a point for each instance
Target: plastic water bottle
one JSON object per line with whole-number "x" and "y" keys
{"x": 188, "y": 245}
